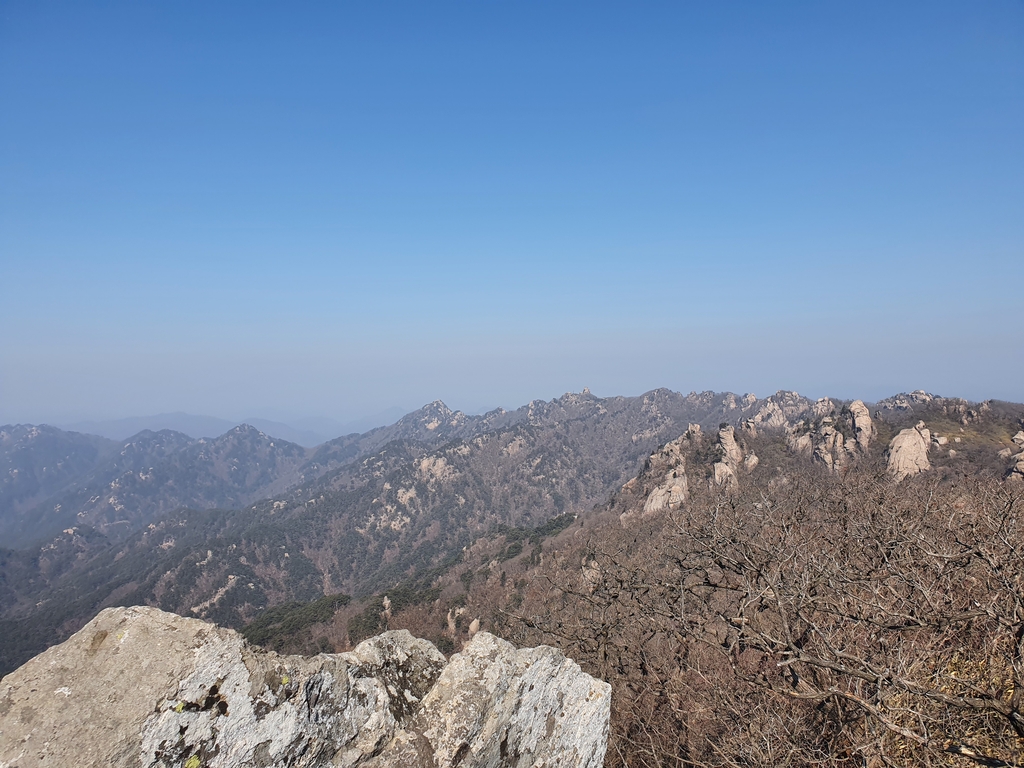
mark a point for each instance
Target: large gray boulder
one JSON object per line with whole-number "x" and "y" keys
{"x": 1016, "y": 470}
{"x": 908, "y": 452}
{"x": 140, "y": 687}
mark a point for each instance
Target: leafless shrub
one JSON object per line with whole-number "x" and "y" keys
{"x": 826, "y": 621}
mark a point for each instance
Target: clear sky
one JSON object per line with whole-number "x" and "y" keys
{"x": 330, "y": 209}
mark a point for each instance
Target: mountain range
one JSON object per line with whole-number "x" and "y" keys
{"x": 230, "y": 527}
{"x": 57, "y": 479}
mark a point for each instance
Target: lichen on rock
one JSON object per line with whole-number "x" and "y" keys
{"x": 495, "y": 705}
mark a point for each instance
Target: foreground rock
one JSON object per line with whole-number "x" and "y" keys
{"x": 140, "y": 687}
{"x": 498, "y": 706}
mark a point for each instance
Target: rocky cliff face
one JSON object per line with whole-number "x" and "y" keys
{"x": 137, "y": 686}
{"x": 495, "y": 706}
{"x": 674, "y": 489}
{"x": 823, "y": 439}
{"x": 733, "y": 457}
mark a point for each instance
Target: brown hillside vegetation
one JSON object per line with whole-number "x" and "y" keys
{"x": 823, "y": 620}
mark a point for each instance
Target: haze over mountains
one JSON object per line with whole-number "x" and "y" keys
{"x": 307, "y": 431}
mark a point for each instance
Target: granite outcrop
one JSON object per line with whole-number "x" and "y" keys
{"x": 908, "y": 452}
{"x": 141, "y": 687}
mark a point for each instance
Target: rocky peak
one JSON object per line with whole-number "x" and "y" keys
{"x": 830, "y": 448}
{"x": 577, "y": 397}
{"x": 495, "y": 706}
{"x": 823, "y": 407}
{"x": 433, "y": 417}
{"x": 769, "y": 415}
{"x": 249, "y": 438}
{"x": 35, "y": 463}
{"x": 701, "y": 399}
{"x": 140, "y": 687}
{"x": 779, "y": 410}
{"x": 571, "y": 405}
{"x": 906, "y": 401}
{"x": 164, "y": 440}
{"x": 732, "y": 458}
{"x": 673, "y": 490}
{"x": 863, "y": 427}
{"x": 831, "y": 443}
{"x": 730, "y": 448}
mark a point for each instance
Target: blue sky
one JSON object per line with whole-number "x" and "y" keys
{"x": 331, "y": 209}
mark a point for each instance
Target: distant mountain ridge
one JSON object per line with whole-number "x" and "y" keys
{"x": 307, "y": 432}
{"x": 197, "y": 427}
{"x": 156, "y": 472}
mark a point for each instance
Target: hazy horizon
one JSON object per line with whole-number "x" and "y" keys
{"x": 365, "y": 421}
{"x": 328, "y": 211}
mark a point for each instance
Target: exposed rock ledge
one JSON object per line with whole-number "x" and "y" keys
{"x": 140, "y": 687}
